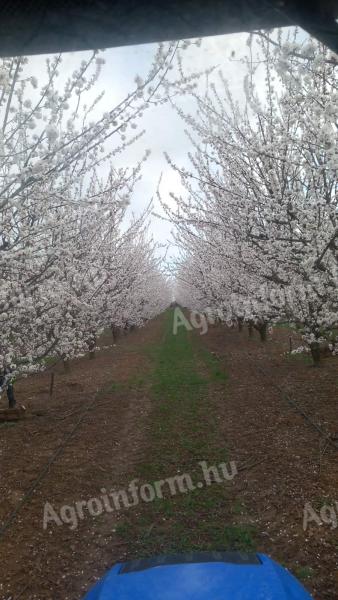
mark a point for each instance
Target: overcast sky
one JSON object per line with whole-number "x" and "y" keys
{"x": 164, "y": 129}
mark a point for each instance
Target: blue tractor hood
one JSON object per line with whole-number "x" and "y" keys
{"x": 199, "y": 576}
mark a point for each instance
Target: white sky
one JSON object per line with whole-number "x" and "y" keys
{"x": 164, "y": 129}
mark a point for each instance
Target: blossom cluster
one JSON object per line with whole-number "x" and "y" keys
{"x": 258, "y": 227}
{"x": 72, "y": 261}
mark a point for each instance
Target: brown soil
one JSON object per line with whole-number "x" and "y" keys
{"x": 292, "y": 463}
{"x": 59, "y": 563}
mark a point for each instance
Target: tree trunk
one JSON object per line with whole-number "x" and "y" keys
{"x": 251, "y": 329}
{"x": 10, "y": 395}
{"x": 92, "y": 345}
{"x": 240, "y": 323}
{"x": 290, "y": 344}
{"x": 263, "y": 331}
{"x": 9, "y": 391}
{"x": 315, "y": 353}
{"x": 51, "y": 385}
{"x": 66, "y": 365}
{"x": 115, "y": 333}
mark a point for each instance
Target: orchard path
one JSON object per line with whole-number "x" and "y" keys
{"x": 164, "y": 403}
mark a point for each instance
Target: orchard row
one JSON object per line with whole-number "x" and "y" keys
{"x": 258, "y": 224}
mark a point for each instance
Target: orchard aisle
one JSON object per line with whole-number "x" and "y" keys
{"x": 212, "y": 403}
{"x": 153, "y": 418}
{"x": 189, "y": 432}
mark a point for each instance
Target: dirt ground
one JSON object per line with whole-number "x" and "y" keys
{"x": 291, "y": 463}
{"x": 294, "y": 464}
{"x": 61, "y": 563}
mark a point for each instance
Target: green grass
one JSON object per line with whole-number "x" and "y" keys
{"x": 300, "y": 357}
{"x": 182, "y": 418}
{"x": 320, "y": 501}
{"x": 7, "y": 424}
{"x": 239, "y": 508}
{"x": 116, "y": 386}
{"x": 183, "y": 431}
{"x": 123, "y": 529}
{"x": 240, "y": 537}
{"x": 304, "y": 573}
{"x": 216, "y": 372}
{"x": 284, "y": 325}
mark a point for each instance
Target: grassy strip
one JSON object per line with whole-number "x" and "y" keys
{"x": 184, "y": 430}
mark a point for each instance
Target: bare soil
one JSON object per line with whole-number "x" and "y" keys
{"x": 291, "y": 462}
{"x": 294, "y": 464}
{"x": 59, "y": 563}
